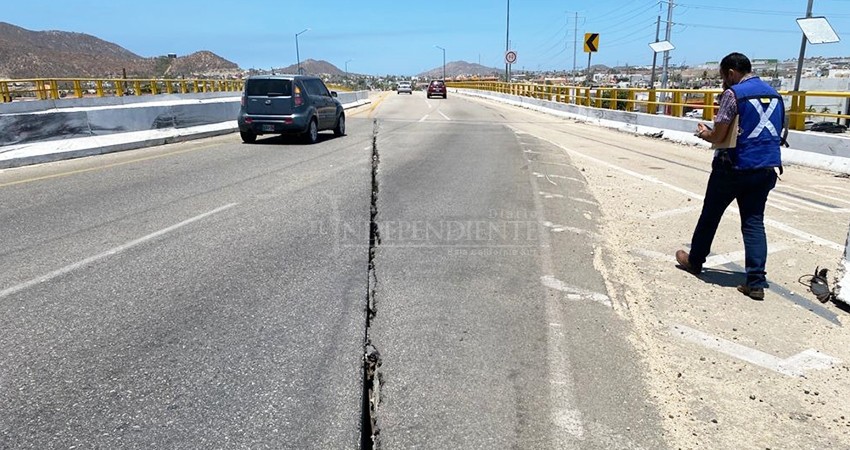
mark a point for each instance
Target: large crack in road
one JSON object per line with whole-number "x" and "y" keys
{"x": 370, "y": 429}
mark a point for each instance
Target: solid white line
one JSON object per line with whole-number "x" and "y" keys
{"x": 428, "y": 103}
{"x": 425, "y": 117}
{"x": 778, "y": 225}
{"x": 796, "y": 365}
{"x": 808, "y": 204}
{"x": 444, "y": 116}
{"x": 72, "y": 267}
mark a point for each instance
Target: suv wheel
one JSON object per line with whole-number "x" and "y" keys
{"x": 312, "y": 134}
{"x": 339, "y": 130}
{"x": 248, "y": 137}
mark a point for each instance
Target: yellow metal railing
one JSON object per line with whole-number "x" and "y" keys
{"x": 57, "y": 88}
{"x": 672, "y": 102}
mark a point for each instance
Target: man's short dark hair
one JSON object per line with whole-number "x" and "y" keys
{"x": 737, "y": 62}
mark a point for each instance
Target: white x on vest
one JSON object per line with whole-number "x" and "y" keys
{"x": 764, "y": 118}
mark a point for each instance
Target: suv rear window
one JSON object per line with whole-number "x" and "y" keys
{"x": 269, "y": 87}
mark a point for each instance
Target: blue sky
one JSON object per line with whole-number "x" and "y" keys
{"x": 393, "y": 37}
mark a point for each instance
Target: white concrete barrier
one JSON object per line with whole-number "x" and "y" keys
{"x": 32, "y": 136}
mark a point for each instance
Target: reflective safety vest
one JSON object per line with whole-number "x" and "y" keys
{"x": 761, "y": 115}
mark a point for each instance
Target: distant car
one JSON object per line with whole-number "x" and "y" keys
{"x": 695, "y": 114}
{"x": 829, "y": 127}
{"x": 289, "y": 104}
{"x": 437, "y": 88}
{"x": 405, "y": 87}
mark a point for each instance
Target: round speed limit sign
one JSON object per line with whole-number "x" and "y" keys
{"x": 510, "y": 57}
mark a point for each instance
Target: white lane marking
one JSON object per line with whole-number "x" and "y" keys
{"x": 428, "y": 103}
{"x": 424, "y": 117}
{"x": 550, "y": 195}
{"x": 821, "y": 194}
{"x": 581, "y": 200}
{"x": 738, "y": 256}
{"x": 560, "y": 177}
{"x": 832, "y": 188}
{"x": 444, "y": 116}
{"x": 368, "y": 148}
{"x": 674, "y": 212}
{"x": 651, "y": 254}
{"x": 795, "y": 366}
{"x": 561, "y": 228}
{"x": 808, "y": 204}
{"x": 574, "y": 293}
{"x": 543, "y": 153}
{"x": 72, "y": 267}
{"x": 769, "y": 222}
{"x": 775, "y": 202}
{"x": 567, "y": 419}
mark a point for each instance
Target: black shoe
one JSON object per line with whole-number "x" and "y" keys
{"x": 683, "y": 259}
{"x": 755, "y": 293}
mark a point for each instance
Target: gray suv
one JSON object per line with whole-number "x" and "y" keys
{"x": 289, "y": 104}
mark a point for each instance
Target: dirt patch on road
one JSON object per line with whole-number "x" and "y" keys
{"x": 710, "y": 399}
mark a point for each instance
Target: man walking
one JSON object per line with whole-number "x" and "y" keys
{"x": 745, "y": 172}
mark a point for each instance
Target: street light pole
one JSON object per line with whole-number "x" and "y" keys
{"x": 508, "y": 43}
{"x": 297, "y": 51}
{"x": 444, "y": 61}
{"x": 346, "y": 68}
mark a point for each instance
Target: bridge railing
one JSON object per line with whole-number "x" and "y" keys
{"x": 672, "y": 102}
{"x": 58, "y": 88}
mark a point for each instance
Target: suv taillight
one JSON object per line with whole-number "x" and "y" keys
{"x": 297, "y": 97}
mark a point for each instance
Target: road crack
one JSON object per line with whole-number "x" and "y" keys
{"x": 370, "y": 429}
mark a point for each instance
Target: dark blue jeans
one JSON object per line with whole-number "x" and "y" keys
{"x": 750, "y": 189}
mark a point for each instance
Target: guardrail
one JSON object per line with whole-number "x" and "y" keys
{"x": 672, "y": 102}
{"x": 57, "y": 88}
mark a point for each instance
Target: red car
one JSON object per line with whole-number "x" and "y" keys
{"x": 437, "y": 88}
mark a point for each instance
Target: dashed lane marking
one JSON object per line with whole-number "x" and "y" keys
{"x": 575, "y": 293}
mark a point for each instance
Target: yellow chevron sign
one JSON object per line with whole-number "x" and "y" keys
{"x": 591, "y": 42}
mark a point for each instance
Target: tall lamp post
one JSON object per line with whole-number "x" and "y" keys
{"x": 346, "y": 68}
{"x": 297, "y": 51}
{"x": 444, "y": 61}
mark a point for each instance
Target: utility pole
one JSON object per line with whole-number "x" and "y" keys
{"x": 654, "y": 53}
{"x": 667, "y": 38}
{"x": 802, "y": 51}
{"x": 508, "y": 44}
{"x": 575, "y": 44}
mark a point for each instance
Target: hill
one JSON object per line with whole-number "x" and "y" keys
{"x": 312, "y": 67}
{"x": 61, "y": 54}
{"x": 461, "y": 68}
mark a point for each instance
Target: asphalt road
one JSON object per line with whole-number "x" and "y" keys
{"x": 186, "y": 296}
{"x": 494, "y": 327}
{"x": 213, "y": 294}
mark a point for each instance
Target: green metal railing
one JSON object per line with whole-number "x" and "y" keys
{"x": 672, "y": 102}
{"x": 58, "y": 88}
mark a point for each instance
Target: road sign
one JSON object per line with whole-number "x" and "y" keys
{"x": 591, "y": 42}
{"x": 510, "y": 57}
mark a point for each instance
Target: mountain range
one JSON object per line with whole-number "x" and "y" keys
{"x": 61, "y": 54}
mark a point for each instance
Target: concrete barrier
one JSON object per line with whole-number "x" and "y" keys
{"x": 812, "y": 149}
{"x": 107, "y": 125}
